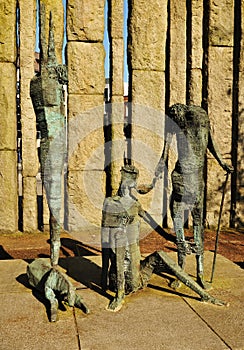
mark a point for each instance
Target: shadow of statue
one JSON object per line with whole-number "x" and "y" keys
{"x": 4, "y": 255}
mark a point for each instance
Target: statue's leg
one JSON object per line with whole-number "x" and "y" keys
{"x": 133, "y": 273}
{"x": 182, "y": 246}
{"x": 50, "y": 295}
{"x": 198, "y": 232}
{"x": 120, "y": 246}
{"x": 55, "y": 239}
{"x": 181, "y": 275}
{"x": 105, "y": 232}
{"x": 81, "y": 304}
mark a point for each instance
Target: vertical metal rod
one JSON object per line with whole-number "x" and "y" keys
{"x": 218, "y": 228}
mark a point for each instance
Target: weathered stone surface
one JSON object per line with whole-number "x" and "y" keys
{"x": 221, "y": 28}
{"x": 197, "y": 33}
{"x": 117, "y": 19}
{"x": 195, "y": 87}
{"x": 86, "y": 68}
{"x": 85, "y": 20}
{"x": 8, "y": 191}
{"x": 86, "y": 191}
{"x": 56, "y": 6}
{"x": 8, "y": 106}
{"x": 118, "y": 68}
{"x": 8, "y": 31}
{"x": 148, "y": 88}
{"x": 220, "y": 96}
{"x": 28, "y": 120}
{"x": 240, "y": 144}
{"x": 216, "y": 178}
{"x": 148, "y": 35}
{"x": 177, "y": 52}
{"x": 29, "y": 204}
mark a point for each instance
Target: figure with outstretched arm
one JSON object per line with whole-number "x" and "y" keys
{"x": 191, "y": 126}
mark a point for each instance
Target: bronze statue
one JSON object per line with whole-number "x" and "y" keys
{"x": 54, "y": 285}
{"x": 121, "y": 258}
{"x": 191, "y": 126}
{"x": 46, "y": 90}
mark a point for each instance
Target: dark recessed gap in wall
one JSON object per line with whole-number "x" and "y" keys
{"x": 205, "y": 44}
{"x": 128, "y": 131}
{"x": 188, "y": 50}
{"x": 235, "y": 109}
{"x": 107, "y": 127}
{"x": 167, "y": 101}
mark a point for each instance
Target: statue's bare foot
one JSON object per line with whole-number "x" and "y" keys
{"x": 116, "y": 304}
{"x": 54, "y": 311}
{"x": 203, "y": 284}
{"x": 175, "y": 284}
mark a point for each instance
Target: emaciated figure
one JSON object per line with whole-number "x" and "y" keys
{"x": 191, "y": 126}
{"x": 55, "y": 285}
{"x": 121, "y": 258}
{"x": 46, "y": 90}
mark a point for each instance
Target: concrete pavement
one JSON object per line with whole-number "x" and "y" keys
{"x": 154, "y": 318}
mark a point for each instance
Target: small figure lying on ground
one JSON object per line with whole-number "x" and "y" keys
{"x": 50, "y": 281}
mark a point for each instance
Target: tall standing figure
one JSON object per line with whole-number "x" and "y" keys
{"x": 46, "y": 90}
{"x": 191, "y": 126}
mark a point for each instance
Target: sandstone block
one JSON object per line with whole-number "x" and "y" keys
{"x": 86, "y": 193}
{"x": 177, "y": 52}
{"x": 117, "y": 18}
{"x": 86, "y": 68}
{"x": 8, "y": 35}
{"x": 56, "y": 6}
{"x": 221, "y": 28}
{"x": 29, "y": 204}
{"x": 216, "y": 178}
{"x": 148, "y": 35}
{"x": 8, "y": 192}
{"x": 220, "y": 95}
{"x": 197, "y": 33}
{"x": 8, "y": 106}
{"x": 85, "y": 20}
{"x": 195, "y": 87}
{"x": 118, "y": 67}
{"x": 148, "y": 89}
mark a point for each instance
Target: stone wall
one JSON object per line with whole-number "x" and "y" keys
{"x": 8, "y": 120}
{"x": 186, "y": 52}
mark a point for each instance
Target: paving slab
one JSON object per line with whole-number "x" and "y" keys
{"x": 154, "y": 318}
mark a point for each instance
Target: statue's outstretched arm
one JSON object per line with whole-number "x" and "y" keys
{"x": 161, "y": 164}
{"x": 217, "y": 155}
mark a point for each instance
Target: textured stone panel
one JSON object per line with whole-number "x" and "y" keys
{"x": 221, "y": 28}
{"x": 148, "y": 35}
{"x": 56, "y": 6}
{"x": 85, "y": 20}
{"x": 29, "y": 204}
{"x": 196, "y": 87}
{"x": 177, "y": 52}
{"x": 86, "y": 68}
{"x": 8, "y": 31}
{"x": 8, "y": 106}
{"x": 148, "y": 89}
{"x": 118, "y": 67}
{"x": 220, "y": 95}
{"x": 8, "y": 192}
{"x": 117, "y": 18}
{"x": 216, "y": 178}
{"x": 86, "y": 192}
{"x": 197, "y": 32}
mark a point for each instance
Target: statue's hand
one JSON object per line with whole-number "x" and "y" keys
{"x": 228, "y": 168}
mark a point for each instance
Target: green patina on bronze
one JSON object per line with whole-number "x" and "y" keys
{"x": 46, "y": 90}
{"x": 191, "y": 126}
{"x": 123, "y": 271}
{"x": 55, "y": 285}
